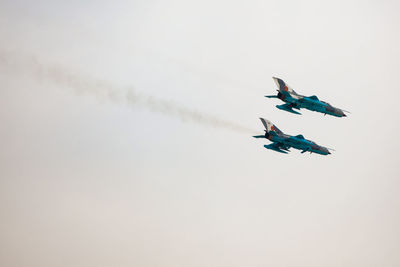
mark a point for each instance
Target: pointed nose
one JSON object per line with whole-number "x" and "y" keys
{"x": 339, "y": 113}
{"x": 325, "y": 150}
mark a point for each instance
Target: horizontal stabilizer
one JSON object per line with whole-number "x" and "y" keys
{"x": 259, "y": 136}
{"x": 271, "y": 96}
{"x": 287, "y": 108}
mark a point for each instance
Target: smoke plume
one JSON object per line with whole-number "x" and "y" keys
{"x": 83, "y": 84}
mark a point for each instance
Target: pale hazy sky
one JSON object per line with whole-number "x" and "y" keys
{"x": 88, "y": 180}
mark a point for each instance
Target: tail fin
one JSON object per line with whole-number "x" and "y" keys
{"x": 270, "y": 127}
{"x": 283, "y": 87}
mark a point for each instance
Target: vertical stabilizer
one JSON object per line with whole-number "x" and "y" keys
{"x": 270, "y": 127}
{"x": 283, "y": 87}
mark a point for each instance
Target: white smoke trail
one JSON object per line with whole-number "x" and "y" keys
{"x": 85, "y": 85}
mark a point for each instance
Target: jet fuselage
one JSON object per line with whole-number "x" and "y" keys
{"x": 282, "y": 142}
{"x": 297, "y": 101}
{"x": 297, "y": 142}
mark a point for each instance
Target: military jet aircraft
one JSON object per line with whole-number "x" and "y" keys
{"x": 282, "y": 142}
{"x": 295, "y": 101}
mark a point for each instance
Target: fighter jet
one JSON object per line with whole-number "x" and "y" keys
{"x": 295, "y": 101}
{"x": 282, "y": 142}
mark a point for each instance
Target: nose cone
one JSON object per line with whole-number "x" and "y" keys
{"x": 340, "y": 113}
{"x": 326, "y": 151}
{"x": 320, "y": 150}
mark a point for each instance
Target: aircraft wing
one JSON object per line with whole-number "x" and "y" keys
{"x": 310, "y": 100}
{"x": 277, "y": 147}
{"x": 288, "y": 108}
{"x": 314, "y": 97}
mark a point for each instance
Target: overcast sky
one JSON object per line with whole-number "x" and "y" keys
{"x": 90, "y": 177}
